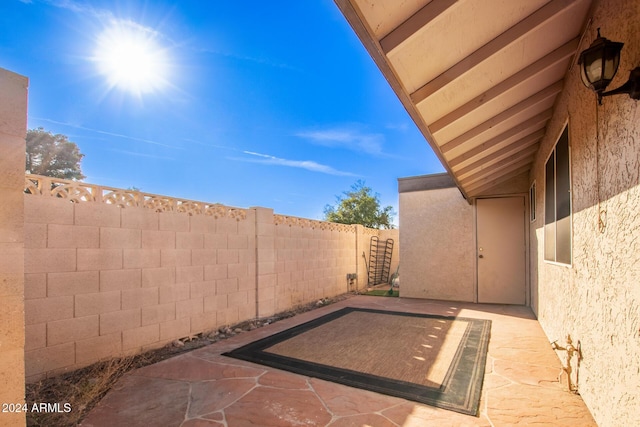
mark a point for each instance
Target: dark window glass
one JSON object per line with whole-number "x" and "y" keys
{"x": 563, "y": 200}
{"x": 557, "y": 209}
{"x": 532, "y": 202}
{"x": 550, "y": 209}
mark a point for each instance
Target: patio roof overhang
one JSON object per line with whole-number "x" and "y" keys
{"x": 478, "y": 77}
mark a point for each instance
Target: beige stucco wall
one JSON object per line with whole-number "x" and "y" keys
{"x": 597, "y": 298}
{"x": 437, "y": 245}
{"x": 13, "y": 126}
{"x": 106, "y": 279}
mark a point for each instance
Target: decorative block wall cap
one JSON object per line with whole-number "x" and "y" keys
{"x": 80, "y": 192}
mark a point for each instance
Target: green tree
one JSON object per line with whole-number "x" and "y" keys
{"x": 52, "y": 155}
{"x": 360, "y": 206}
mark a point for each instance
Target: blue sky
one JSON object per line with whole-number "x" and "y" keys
{"x": 246, "y": 103}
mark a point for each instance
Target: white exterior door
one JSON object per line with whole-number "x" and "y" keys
{"x": 501, "y": 250}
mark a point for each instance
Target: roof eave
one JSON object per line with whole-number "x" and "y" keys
{"x": 366, "y": 36}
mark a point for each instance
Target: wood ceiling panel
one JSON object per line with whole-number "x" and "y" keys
{"x": 415, "y": 23}
{"x": 520, "y": 131}
{"x": 499, "y": 166}
{"x": 478, "y": 77}
{"x": 541, "y": 97}
{"x": 501, "y": 103}
{"x": 488, "y": 74}
{"x": 502, "y": 127}
{"x": 423, "y": 58}
{"x": 485, "y": 52}
{"x": 383, "y": 16}
{"x": 498, "y": 179}
{"x": 522, "y": 78}
{"x": 486, "y": 162}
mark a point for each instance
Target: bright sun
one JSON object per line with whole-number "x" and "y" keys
{"x": 131, "y": 58}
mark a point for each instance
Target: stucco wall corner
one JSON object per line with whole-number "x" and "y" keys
{"x": 13, "y": 121}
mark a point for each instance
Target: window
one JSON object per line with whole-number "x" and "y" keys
{"x": 557, "y": 203}
{"x": 532, "y": 202}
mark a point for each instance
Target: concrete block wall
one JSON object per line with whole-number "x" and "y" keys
{"x": 393, "y": 234}
{"x": 312, "y": 262}
{"x": 13, "y": 127}
{"x": 363, "y": 251}
{"x": 104, "y": 280}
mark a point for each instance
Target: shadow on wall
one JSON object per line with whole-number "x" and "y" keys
{"x": 111, "y": 271}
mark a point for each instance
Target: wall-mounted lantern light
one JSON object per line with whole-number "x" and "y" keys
{"x": 598, "y": 66}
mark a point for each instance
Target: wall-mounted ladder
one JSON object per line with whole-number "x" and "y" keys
{"x": 379, "y": 260}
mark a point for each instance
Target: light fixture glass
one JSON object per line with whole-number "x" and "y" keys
{"x": 599, "y": 63}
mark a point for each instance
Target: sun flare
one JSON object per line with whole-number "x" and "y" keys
{"x": 131, "y": 58}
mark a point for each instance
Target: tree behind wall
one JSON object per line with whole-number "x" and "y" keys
{"x": 360, "y": 206}
{"x": 52, "y": 155}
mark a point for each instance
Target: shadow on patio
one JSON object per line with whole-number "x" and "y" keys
{"x": 204, "y": 388}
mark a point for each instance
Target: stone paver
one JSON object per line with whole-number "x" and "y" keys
{"x": 204, "y": 388}
{"x": 273, "y": 407}
{"x": 141, "y": 401}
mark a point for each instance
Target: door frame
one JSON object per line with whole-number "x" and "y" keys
{"x": 527, "y": 255}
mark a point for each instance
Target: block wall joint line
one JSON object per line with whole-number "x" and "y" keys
{"x": 256, "y": 272}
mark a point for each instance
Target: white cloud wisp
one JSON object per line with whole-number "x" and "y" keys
{"x": 352, "y": 139}
{"x": 309, "y": 165}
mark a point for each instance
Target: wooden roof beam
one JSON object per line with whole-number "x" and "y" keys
{"x": 491, "y": 182}
{"x": 521, "y": 77}
{"x": 542, "y": 96}
{"x": 501, "y": 176}
{"x": 415, "y": 23}
{"x": 527, "y": 127}
{"x": 514, "y": 33}
{"x": 498, "y": 167}
{"x": 507, "y": 151}
{"x": 366, "y": 36}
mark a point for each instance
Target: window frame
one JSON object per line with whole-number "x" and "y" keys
{"x": 558, "y": 203}
{"x": 532, "y": 202}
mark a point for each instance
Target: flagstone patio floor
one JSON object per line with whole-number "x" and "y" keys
{"x": 204, "y": 388}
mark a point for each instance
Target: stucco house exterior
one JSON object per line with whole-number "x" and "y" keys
{"x": 539, "y": 205}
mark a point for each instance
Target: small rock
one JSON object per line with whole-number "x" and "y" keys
{"x": 178, "y": 343}
{"x": 237, "y": 330}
